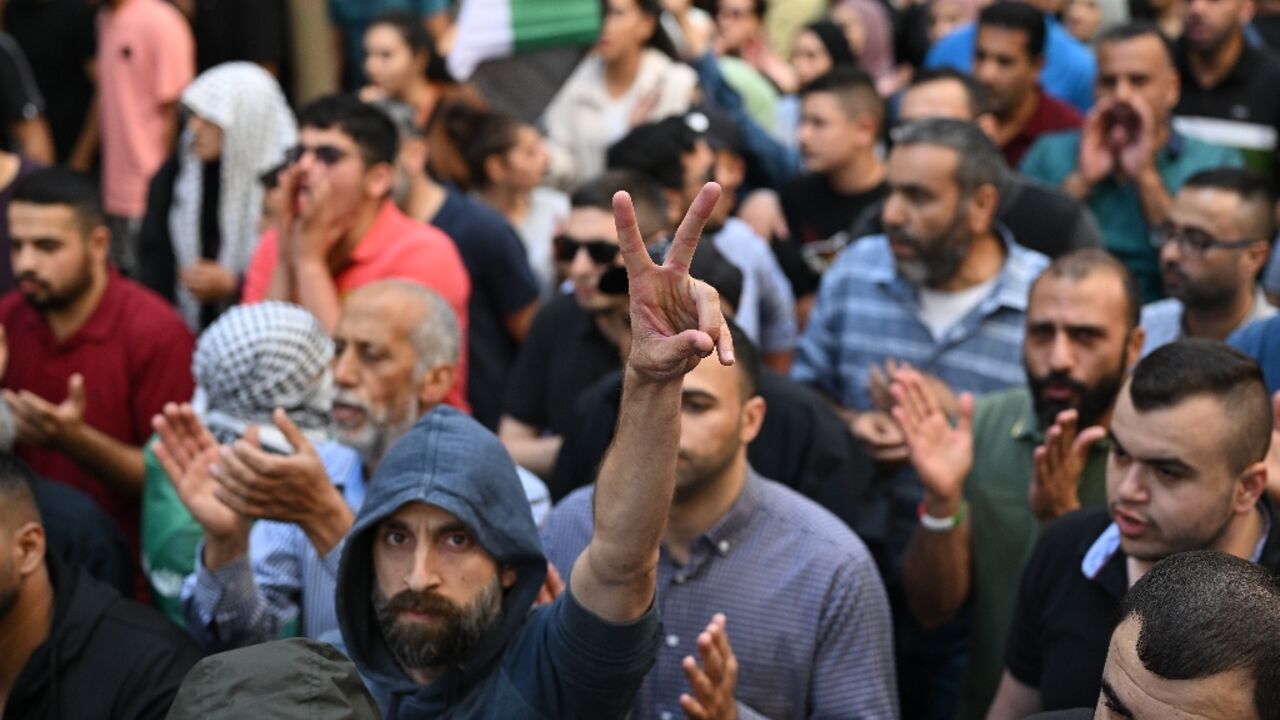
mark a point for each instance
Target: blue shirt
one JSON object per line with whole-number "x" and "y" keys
{"x": 1162, "y": 320}
{"x": 1069, "y": 66}
{"x": 1261, "y": 341}
{"x": 282, "y": 579}
{"x": 1116, "y": 205}
{"x": 866, "y": 313}
{"x": 806, "y": 612}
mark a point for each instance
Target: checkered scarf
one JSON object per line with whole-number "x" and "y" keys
{"x": 255, "y": 358}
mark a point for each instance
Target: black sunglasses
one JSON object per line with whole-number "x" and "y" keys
{"x": 1193, "y": 240}
{"x": 329, "y": 155}
{"x": 601, "y": 252}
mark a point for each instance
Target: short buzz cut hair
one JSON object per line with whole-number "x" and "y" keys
{"x": 980, "y": 162}
{"x": 17, "y": 493}
{"x": 1139, "y": 29}
{"x": 1082, "y": 263}
{"x": 60, "y": 186}
{"x": 975, "y": 96}
{"x": 1196, "y": 366}
{"x": 1257, "y": 199}
{"x": 854, "y": 89}
{"x": 646, "y": 197}
{"x": 1019, "y": 16}
{"x": 1204, "y": 612}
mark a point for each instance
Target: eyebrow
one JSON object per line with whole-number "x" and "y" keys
{"x": 1114, "y": 703}
{"x": 1167, "y": 463}
{"x": 696, "y": 395}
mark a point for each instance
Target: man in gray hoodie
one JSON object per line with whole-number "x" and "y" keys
{"x": 440, "y": 571}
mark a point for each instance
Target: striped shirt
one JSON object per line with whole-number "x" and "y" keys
{"x": 282, "y": 579}
{"x": 806, "y": 612}
{"x": 866, "y": 314}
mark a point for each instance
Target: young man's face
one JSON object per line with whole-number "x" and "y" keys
{"x": 1077, "y": 345}
{"x": 1170, "y": 487}
{"x": 1003, "y": 65}
{"x": 437, "y": 591}
{"x": 1138, "y": 67}
{"x": 1211, "y": 23}
{"x": 1213, "y": 279}
{"x": 829, "y": 138}
{"x": 716, "y": 421}
{"x": 590, "y": 232}
{"x": 333, "y": 173}
{"x": 1132, "y": 692}
{"x": 53, "y": 259}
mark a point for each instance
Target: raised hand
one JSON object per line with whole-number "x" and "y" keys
{"x": 714, "y": 682}
{"x": 1096, "y": 160}
{"x": 675, "y": 320}
{"x": 1056, "y": 466}
{"x": 941, "y": 454}
{"x": 39, "y": 422}
{"x": 1139, "y": 154}
{"x": 188, "y": 452}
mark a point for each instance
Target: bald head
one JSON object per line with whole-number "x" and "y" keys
{"x": 414, "y": 311}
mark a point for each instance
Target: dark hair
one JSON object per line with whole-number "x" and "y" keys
{"x": 480, "y": 134}
{"x": 973, "y": 91}
{"x": 659, "y": 40}
{"x": 646, "y": 196}
{"x": 1135, "y": 30}
{"x": 1018, "y": 16}
{"x": 747, "y": 357}
{"x": 854, "y": 88}
{"x": 835, "y": 41}
{"x": 60, "y": 186}
{"x": 1079, "y": 264}
{"x": 655, "y": 149}
{"x": 1255, "y": 194}
{"x": 366, "y": 125}
{"x": 17, "y": 490}
{"x": 1196, "y": 366}
{"x": 415, "y": 35}
{"x": 980, "y": 162}
{"x": 1205, "y": 612}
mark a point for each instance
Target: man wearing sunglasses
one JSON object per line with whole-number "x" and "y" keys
{"x": 1212, "y": 248}
{"x": 338, "y": 228}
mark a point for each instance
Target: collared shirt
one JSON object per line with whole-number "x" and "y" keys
{"x": 1051, "y": 115}
{"x": 766, "y": 311}
{"x": 1116, "y": 205}
{"x": 806, "y": 612}
{"x": 134, "y": 353}
{"x": 396, "y": 246}
{"x": 281, "y": 580}
{"x": 1068, "y": 598}
{"x": 866, "y": 314}
{"x": 1003, "y": 530}
{"x": 1162, "y": 320}
{"x": 1242, "y": 111}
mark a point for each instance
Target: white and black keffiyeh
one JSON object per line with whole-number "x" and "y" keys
{"x": 246, "y": 102}
{"x": 255, "y": 358}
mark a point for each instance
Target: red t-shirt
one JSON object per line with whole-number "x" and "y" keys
{"x": 1051, "y": 115}
{"x": 134, "y": 352}
{"x": 396, "y": 246}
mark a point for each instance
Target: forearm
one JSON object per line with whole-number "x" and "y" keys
{"x": 226, "y": 608}
{"x": 119, "y": 465}
{"x": 936, "y": 573}
{"x": 616, "y": 575}
{"x": 35, "y": 139}
{"x": 86, "y": 146}
{"x": 537, "y": 455}
{"x": 1155, "y": 198}
{"x": 326, "y": 529}
{"x": 317, "y": 292}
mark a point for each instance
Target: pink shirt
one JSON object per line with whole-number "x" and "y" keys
{"x": 396, "y": 246}
{"x": 146, "y": 56}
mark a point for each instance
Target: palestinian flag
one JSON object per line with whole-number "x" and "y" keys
{"x": 488, "y": 29}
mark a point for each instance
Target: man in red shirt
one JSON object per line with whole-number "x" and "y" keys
{"x": 91, "y": 355}
{"x": 339, "y": 229}
{"x": 1007, "y": 58}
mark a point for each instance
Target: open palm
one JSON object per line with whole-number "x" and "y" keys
{"x": 942, "y": 455}
{"x": 188, "y": 454}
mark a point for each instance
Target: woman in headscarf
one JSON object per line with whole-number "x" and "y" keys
{"x": 203, "y": 206}
{"x": 819, "y": 48}
{"x": 867, "y": 26}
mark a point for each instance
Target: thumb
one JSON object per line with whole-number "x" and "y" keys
{"x": 75, "y": 391}
{"x": 1086, "y": 439}
{"x": 964, "y": 418}
{"x": 291, "y": 432}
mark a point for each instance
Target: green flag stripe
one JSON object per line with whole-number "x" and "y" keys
{"x": 551, "y": 23}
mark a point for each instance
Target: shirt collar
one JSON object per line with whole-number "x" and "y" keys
{"x": 379, "y": 235}
{"x": 722, "y": 536}
{"x": 1026, "y": 427}
{"x": 101, "y": 325}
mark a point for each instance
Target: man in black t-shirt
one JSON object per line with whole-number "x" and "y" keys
{"x": 841, "y": 117}
{"x": 1187, "y": 471}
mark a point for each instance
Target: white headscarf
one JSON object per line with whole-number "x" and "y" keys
{"x": 257, "y": 128}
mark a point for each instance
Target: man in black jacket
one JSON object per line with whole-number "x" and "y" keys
{"x": 70, "y": 646}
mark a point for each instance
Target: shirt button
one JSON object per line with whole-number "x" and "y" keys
{"x": 672, "y": 641}
{"x": 666, "y": 715}
{"x": 680, "y": 579}
{"x": 724, "y": 547}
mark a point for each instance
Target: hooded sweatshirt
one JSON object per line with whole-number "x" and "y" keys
{"x": 296, "y": 679}
{"x": 105, "y": 657}
{"x": 553, "y": 661}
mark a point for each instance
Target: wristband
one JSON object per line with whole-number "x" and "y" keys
{"x": 936, "y": 524}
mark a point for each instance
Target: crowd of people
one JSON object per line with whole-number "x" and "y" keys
{"x": 712, "y": 359}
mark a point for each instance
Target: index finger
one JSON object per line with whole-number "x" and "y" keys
{"x": 634, "y": 254}
{"x": 686, "y": 240}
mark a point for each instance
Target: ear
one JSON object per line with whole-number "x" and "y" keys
{"x": 753, "y": 412}
{"x": 1249, "y": 487}
{"x": 1137, "y": 338}
{"x": 868, "y": 127}
{"x": 731, "y": 171}
{"x": 1255, "y": 258}
{"x": 508, "y": 575}
{"x": 99, "y": 243}
{"x": 414, "y": 152}
{"x": 675, "y": 206}
{"x": 378, "y": 180}
{"x": 29, "y": 548}
{"x": 983, "y": 205}
{"x": 436, "y": 384}
{"x": 496, "y": 168}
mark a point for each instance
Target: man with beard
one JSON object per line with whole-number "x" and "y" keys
{"x": 1212, "y": 248}
{"x": 69, "y": 644}
{"x": 1187, "y": 471}
{"x": 1228, "y": 86}
{"x": 440, "y": 571}
{"x": 743, "y": 546}
{"x": 91, "y": 355}
{"x": 1018, "y": 458}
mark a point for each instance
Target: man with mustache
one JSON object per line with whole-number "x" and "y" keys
{"x": 1212, "y": 248}
{"x": 1017, "y": 458}
{"x": 1187, "y": 470}
{"x": 1126, "y": 162}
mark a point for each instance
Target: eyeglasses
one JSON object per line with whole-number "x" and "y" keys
{"x": 601, "y": 252}
{"x": 329, "y": 155}
{"x": 1193, "y": 240}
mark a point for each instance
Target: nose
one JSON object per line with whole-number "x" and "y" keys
{"x": 1132, "y": 487}
{"x": 424, "y": 574}
{"x": 581, "y": 265}
{"x": 22, "y": 257}
{"x": 1170, "y": 252}
{"x": 345, "y": 374}
{"x": 1061, "y": 358}
{"x": 892, "y": 213}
